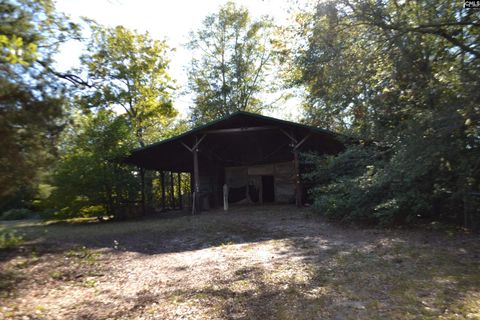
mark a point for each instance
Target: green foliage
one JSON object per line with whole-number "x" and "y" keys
{"x": 126, "y": 103}
{"x": 232, "y": 57}
{"x": 88, "y": 179}
{"x": 30, "y": 31}
{"x": 128, "y": 71}
{"x": 361, "y": 185}
{"x": 404, "y": 75}
{"x": 31, "y": 96}
{"x": 10, "y": 239}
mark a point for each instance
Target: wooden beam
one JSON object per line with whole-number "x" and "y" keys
{"x": 198, "y": 141}
{"x": 195, "y": 146}
{"x": 188, "y": 148}
{"x": 289, "y": 136}
{"x": 244, "y": 129}
{"x": 298, "y": 145}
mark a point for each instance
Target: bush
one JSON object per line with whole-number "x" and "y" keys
{"x": 391, "y": 185}
{"x": 10, "y": 239}
{"x": 352, "y": 187}
{"x": 17, "y": 214}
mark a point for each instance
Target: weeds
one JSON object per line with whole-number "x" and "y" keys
{"x": 83, "y": 255}
{"x": 10, "y": 239}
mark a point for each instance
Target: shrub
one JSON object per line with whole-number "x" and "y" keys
{"x": 16, "y": 214}
{"x": 389, "y": 185}
{"x": 365, "y": 184}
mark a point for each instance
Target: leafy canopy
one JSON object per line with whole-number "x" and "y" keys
{"x": 31, "y": 95}
{"x": 128, "y": 71}
{"x": 232, "y": 58}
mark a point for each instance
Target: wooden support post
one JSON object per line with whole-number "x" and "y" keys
{"x": 296, "y": 162}
{"x": 179, "y": 177}
{"x": 247, "y": 193}
{"x": 196, "y": 180}
{"x": 172, "y": 191}
{"x": 196, "y": 175}
{"x": 142, "y": 178}
{"x": 192, "y": 189}
{"x": 162, "y": 181}
{"x": 260, "y": 192}
{"x": 194, "y": 200}
{"x": 225, "y": 197}
{"x": 298, "y": 185}
{"x": 192, "y": 182}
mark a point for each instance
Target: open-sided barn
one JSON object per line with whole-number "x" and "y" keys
{"x": 252, "y": 158}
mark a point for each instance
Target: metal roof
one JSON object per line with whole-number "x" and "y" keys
{"x": 156, "y": 155}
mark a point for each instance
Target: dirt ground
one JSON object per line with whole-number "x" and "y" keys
{"x": 273, "y": 262}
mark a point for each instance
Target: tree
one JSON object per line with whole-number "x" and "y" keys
{"x": 88, "y": 179}
{"x": 31, "y": 95}
{"x": 402, "y": 76}
{"x": 232, "y": 58}
{"x": 128, "y": 70}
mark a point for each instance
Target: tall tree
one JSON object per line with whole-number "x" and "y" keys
{"x": 404, "y": 76}
{"x": 31, "y": 96}
{"x": 232, "y": 58}
{"x": 128, "y": 71}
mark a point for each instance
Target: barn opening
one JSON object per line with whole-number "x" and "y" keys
{"x": 243, "y": 158}
{"x": 268, "y": 189}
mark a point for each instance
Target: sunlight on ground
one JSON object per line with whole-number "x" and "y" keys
{"x": 275, "y": 263}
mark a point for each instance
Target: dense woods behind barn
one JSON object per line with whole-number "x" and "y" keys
{"x": 402, "y": 77}
{"x": 398, "y": 79}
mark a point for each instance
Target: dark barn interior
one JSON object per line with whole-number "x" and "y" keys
{"x": 256, "y": 156}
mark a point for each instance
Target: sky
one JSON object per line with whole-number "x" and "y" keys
{"x": 171, "y": 20}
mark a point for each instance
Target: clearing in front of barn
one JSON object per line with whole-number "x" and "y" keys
{"x": 273, "y": 262}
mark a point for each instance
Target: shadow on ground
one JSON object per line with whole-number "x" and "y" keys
{"x": 273, "y": 262}
{"x": 165, "y": 234}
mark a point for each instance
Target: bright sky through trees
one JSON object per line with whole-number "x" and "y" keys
{"x": 170, "y": 20}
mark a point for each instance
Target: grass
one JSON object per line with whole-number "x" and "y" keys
{"x": 262, "y": 263}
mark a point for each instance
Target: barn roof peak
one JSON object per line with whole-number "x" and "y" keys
{"x": 250, "y": 119}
